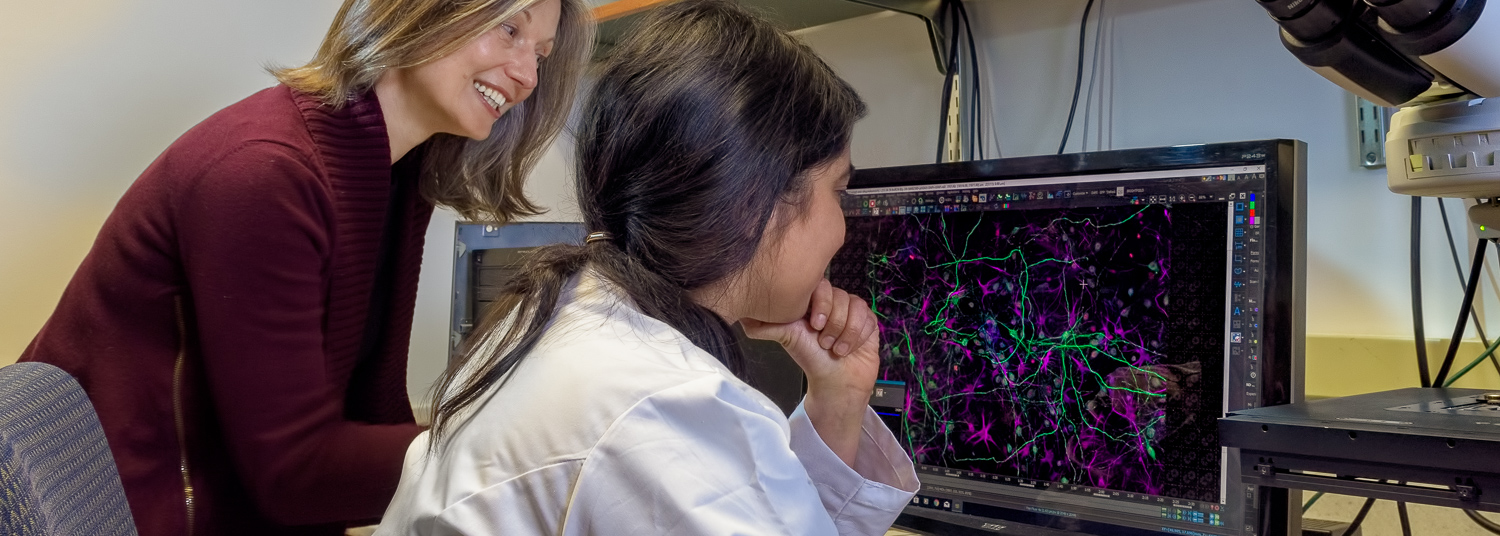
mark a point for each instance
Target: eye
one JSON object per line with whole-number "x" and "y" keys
{"x": 508, "y": 28}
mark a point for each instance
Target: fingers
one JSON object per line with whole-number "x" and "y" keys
{"x": 859, "y": 323}
{"x": 871, "y": 333}
{"x": 822, "y": 304}
{"x": 838, "y": 317}
{"x": 756, "y": 329}
{"x": 847, "y": 325}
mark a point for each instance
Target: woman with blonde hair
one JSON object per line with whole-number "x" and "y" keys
{"x": 241, "y": 323}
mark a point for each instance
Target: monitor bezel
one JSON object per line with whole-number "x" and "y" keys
{"x": 1286, "y": 250}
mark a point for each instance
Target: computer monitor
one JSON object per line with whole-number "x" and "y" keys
{"x": 485, "y": 257}
{"x": 1060, "y": 334}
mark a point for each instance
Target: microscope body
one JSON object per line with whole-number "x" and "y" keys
{"x": 1438, "y": 60}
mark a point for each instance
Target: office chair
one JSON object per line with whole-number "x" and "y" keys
{"x": 57, "y": 476}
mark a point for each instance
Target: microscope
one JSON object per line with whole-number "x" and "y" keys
{"x": 1437, "y": 60}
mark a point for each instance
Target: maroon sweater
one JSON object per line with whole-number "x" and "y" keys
{"x": 217, "y": 323}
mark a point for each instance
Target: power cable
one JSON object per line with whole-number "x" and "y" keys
{"x": 1488, "y": 352}
{"x": 966, "y": 92}
{"x": 1416, "y": 290}
{"x": 1083, "y": 33}
{"x": 1463, "y": 314}
{"x": 1483, "y": 522}
{"x": 977, "y": 108}
{"x": 1088, "y": 99}
{"x": 1491, "y": 273}
{"x": 1474, "y": 312}
{"x": 952, "y": 70}
{"x": 976, "y": 142}
{"x": 1310, "y": 502}
{"x": 1458, "y": 267}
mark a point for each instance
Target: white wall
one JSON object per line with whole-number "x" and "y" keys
{"x": 95, "y": 89}
{"x": 1171, "y": 72}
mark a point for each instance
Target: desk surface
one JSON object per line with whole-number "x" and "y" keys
{"x": 366, "y": 531}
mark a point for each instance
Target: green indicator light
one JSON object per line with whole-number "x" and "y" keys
{"x": 1252, "y": 205}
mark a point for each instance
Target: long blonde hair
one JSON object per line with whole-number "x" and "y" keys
{"x": 480, "y": 179}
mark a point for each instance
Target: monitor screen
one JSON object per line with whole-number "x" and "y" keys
{"x": 1061, "y": 333}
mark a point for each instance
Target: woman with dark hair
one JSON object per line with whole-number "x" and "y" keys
{"x": 602, "y": 396}
{"x": 242, "y": 321}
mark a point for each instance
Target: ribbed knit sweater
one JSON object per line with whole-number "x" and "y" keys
{"x": 217, "y": 322}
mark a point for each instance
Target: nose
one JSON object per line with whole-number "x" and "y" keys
{"x": 523, "y": 70}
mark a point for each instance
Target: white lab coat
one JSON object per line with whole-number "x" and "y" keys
{"x": 616, "y": 424}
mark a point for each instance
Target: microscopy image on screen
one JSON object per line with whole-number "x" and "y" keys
{"x": 1081, "y": 346}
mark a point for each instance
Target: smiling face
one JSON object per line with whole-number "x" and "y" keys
{"x": 464, "y": 92}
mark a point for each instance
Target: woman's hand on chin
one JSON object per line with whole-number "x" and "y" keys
{"x": 838, "y": 347}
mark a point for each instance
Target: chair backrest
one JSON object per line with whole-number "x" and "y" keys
{"x": 57, "y": 476}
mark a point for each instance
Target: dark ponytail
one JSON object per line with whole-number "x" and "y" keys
{"x": 702, "y": 121}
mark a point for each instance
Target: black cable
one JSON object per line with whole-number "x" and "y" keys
{"x": 969, "y": 139}
{"x": 1405, "y": 521}
{"x": 947, "y": 97}
{"x": 1360, "y": 517}
{"x": 1459, "y": 270}
{"x": 1416, "y": 289}
{"x": 964, "y": 123}
{"x": 1483, "y": 522}
{"x": 1083, "y": 33}
{"x": 1463, "y": 314}
{"x": 978, "y": 107}
{"x": 956, "y": 64}
{"x": 978, "y": 88}
{"x": 972, "y": 138}
{"x": 1493, "y": 360}
{"x": 948, "y": 79}
{"x": 1088, "y": 99}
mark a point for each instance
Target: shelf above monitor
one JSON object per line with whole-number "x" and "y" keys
{"x": 615, "y": 17}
